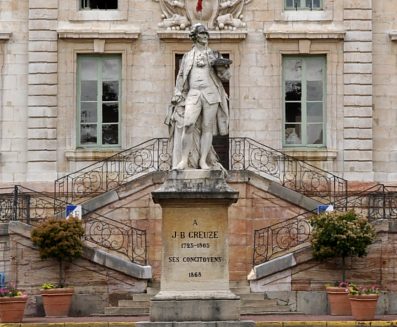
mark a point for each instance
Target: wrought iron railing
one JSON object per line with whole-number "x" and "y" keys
{"x": 26, "y": 205}
{"x": 281, "y": 237}
{"x": 29, "y": 206}
{"x": 154, "y": 155}
{"x": 112, "y": 172}
{"x": 116, "y": 236}
{"x": 376, "y": 202}
{"x": 6, "y": 204}
{"x": 298, "y": 175}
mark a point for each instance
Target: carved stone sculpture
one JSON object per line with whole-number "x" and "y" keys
{"x": 199, "y": 106}
{"x": 215, "y": 14}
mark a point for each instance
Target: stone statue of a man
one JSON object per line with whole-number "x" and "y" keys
{"x": 199, "y": 89}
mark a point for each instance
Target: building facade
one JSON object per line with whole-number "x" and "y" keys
{"x": 81, "y": 81}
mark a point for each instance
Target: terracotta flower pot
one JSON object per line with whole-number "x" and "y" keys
{"x": 12, "y": 308}
{"x": 57, "y": 301}
{"x": 338, "y": 299}
{"x": 364, "y": 306}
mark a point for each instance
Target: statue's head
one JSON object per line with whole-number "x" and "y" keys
{"x": 196, "y": 29}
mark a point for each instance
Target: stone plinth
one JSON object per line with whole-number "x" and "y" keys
{"x": 195, "y": 258}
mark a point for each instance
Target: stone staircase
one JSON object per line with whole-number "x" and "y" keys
{"x": 251, "y": 303}
{"x": 137, "y": 306}
{"x": 257, "y": 303}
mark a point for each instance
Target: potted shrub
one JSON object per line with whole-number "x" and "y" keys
{"x": 363, "y": 301}
{"x": 59, "y": 239}
{"x": 12, "y": 304}
{"x": 340, "y": 234}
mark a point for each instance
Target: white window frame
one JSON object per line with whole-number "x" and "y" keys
{"x": 99, "y": 123}
{"x": 76, "y": 13}
{"x": 301, "y": 5}
{"x": 304, "y": 122}
{"x": 86, "y": 7}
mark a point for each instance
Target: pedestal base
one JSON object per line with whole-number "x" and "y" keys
{"x": 195, "y": 310}
{"x": 195, "y": 261}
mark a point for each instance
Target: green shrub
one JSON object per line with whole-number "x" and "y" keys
{"x": 60, "y": 239}
{"x": 340, "y": 234}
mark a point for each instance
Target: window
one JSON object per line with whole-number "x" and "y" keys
{"x": 99, "y": 100}
{"x": 304, "y": 106}
{"x": 98, "y": 4}
{"x": 303, "y": 4}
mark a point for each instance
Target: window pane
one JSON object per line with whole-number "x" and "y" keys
{"x": 293, "y": 70}
{"x": 89, "y": 112}
{"x": 315, "y": 112}
{"x": 110, "y": 112}
{"x": 88, "y": 134}
{"x": 314, "y": 90}
{"x": 110, "y": 70}
{"x": 110, "y": 134}
{"x": 89, "y": 90}
{"x": 288, "y": 3}
{"x": 315, "y": 134}
{"x": 293, "y": 112}
{"x": 99, "y": 103}
{"x": 110, "y": 91}
{"x": 315, "y": 69}
{"x": 99, "y": 4}
{"x": 88, "y": 69}
{"x": 293, "y": 90}
{"x": 293, "y": 134}
{"x": 316, "y": 4}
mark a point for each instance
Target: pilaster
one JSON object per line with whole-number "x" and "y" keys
{"x": 358, "y": 84}
{"x": 42, "y": 90}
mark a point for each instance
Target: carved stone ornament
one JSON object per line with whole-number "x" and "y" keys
{"x": 215, "y": 14}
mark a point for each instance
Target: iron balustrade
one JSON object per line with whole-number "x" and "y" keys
{"x": 29, "y": 206}
{"x": 376, "y": 202}
{"x": 112, "y": 172}
{"x": 298, "y": 175}
{"x": 116, "y": 236}
{"x": 281, "y": 237}
{"x": 6, "y": 204}
{"x": 154, "y": 155}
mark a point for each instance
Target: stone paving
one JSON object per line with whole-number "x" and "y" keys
{"x": 291, "y": 320}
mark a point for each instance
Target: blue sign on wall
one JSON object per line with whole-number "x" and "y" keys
{"x": 73, "y": 210}
{"x": 325, "y": 208}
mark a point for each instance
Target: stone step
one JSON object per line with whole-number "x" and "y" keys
{"x": 262, "y": 306}
{"x": 252, "y": 296}
{"x": 264, "y": 309}
{"x": 126, "y": 311}
{"x": 142, "y": 297}
{"x": 133, "y": 304}
{"x": 152, "y": 290}
{"x": 241, "y": 290}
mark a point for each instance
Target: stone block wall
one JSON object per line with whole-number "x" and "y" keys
{"x": 96, "y": 286}
{"x": 255, "y": 209}
{"x": 40, "y": 41}
{"x": 304, "y": 284}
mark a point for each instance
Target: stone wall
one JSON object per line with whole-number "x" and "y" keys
{"x": 96, "y": 286}
{"x": 301, "y": 288}
{"x": 384, "y": 90}
{"x": 40, "y": 41}
{"x": 255, "y": 209}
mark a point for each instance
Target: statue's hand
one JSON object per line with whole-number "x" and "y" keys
{"x": 176, "y": 99}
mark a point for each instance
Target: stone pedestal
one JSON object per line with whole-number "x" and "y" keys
{"x": 195, "y": 258}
